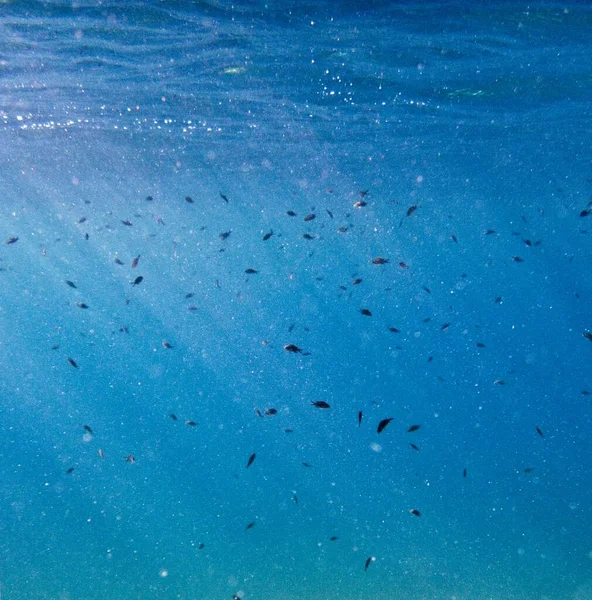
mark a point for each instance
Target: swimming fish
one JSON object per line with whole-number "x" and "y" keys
{"x": 73, "y": 362}
{"x": 539, "y": 431}
{"x": 88, "y": 429}
{"x": 414, "y": 512}
{"x": 251, "y": 460}
{"x": 383, "y": 424}
{"x": 365, "y": 312}
{"x": 379, "y": 260}
{"x": 320, "y": 404}
{"x": 135, "y": 261}
{"x": 71, "y": 284}
{"x": 413, "y": 428}
{"x": 368, "y": 561}
{"x": 292, "y": 348}
{"x": 138, "y": 280}
{"x": 360, "y": 416}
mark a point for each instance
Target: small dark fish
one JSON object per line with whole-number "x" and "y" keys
{"x": 464, "y": 472}
{"x": 480, "y": 345}
{"x": 73, "y": 362}
{"x": 189, "y": 199}
{"x": 307, "y": 465}
{"x": 363, "y": 193}
{"x": 403, "y": 265}
{"x": 499, "y": 382}
{"x": 416, "y": 448}
{"x": 360, "y": 204}
{"x": 360, "y": 417}
{"x": 251, "y": 271}
{"x": 342, "y": 230}
{"x": 490, "y": 232}
{"x": 81, "y": 220}
{"x": 310, "y": 217}
{"x": 307, "y": 236}
{"x": 71, "y": 284}
{"x": 201, "y": 546}
{"x": 585, "y": 212}
{"x": 453, "y": 238}
{"x": 173, "y": 417}
{"x": 12, "y": 240}
{"x": 137, "y": 280}
{"x": 320, "y": 404}
{"x": 292, "y": 348}
{"x": 127, "y": 223}
{"x": 413, "y": 428}
{"x": 365, "y": 312}
{"x": 118, "y": 262}
{"x": 130, "y": 458}
{"x": 190, "y": 295}
{"x": 414, "y": 512}
{"x": 267, "y": 235}
{"x": 270, "y": 412}
{"x": 258, "y": 412}
{"x": 383, "y": 424}
{"x": 86, "y": 236}
{"x": 149, "y": 198}
{"x": 379, "y": 260}
{"x": 291, "y": 213}
{"x": 81, "y": 305}
{"x": 295, "y": 498}
{"x": 224, "y": 235}
{"x": 251, "y": 460}
{"x": 333, "y": 538}
{"x": 588, "y": 335}
{"x": 101, "y": 454}
{"x": 165, "y": 344}
{"x": 445, "y": 326}
{"x": 251, "y": 525}
{"x": 539, "y": 431}
{"x": 190, "y": 423}
{"x": 88, "y": 429}
{"x": 499, "y": 300}
{"x": 368, "y": 561}
{"x": 393, "y": 330}
{"x": 411, "y": 209}
{"x": 224, "y": 198}
{"x": 426, "y": 289}
{"x": 135, "y": 261}
{"x": 70, "y": 470}
{"x": 357, "y": 281}
{"x": 288, "y": 430}
{"x": 329, "y": 213}
{"x": 517, "y": 259}
{"x": 528, "y": 470}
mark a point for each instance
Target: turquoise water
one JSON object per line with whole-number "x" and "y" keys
{"x": 452, "y": 140}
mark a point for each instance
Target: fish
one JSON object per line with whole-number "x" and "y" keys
{"x": 403, "y": 265}
{"x": 71, "y": 284}
{"x": 517, "y": 259}
{"x": 267, "y": 235}
{"x": 310, "y": 217}
{"x": 173, "y": 417}
{"x": 380, "y": 260}
{"x": 365, "y": 312}
{"x": 270, "y": 412}
{"x": 70, "y": 470}
{"x": 413, "y": 428}
{"x": 320, "y": 404}
{"x": 88, "y": 429}
{"x": 291, "y": 213}
{"x": 585, "y": 212}
{"x": 588, "y": 335}
{"x": 166, "y": 344}
{"x": 357, "y": 281}
{"x": 445, "y": 326}
{"x": 453, "y": 238}
{"x": 295, "y": 498}
{"x": 224, "y": 235}
{"x": 138, "y": 280}
{"x": 329, "y": 213}
{"x": 189, "y": 295}
{"x": 81, "y": 305}
{"x": 360, "y": 416}
{"x": 73, "y": 362}
{"x": 135, "y": 261}
{"x": 130, "y": 458}
{"x": 528, "y": 470}
{"x": 412, "y": 209}
{"x": 383, "y": 424}
{"x": 363, "y": 193}
{"x": 201, "y": 546}
{"x": 333, "y": 538}
{"x": 368, "y": 561}
{"x": 189, "y": 199}
{"x": 127, "y": 223}
{"x": 190, "y": 423}
{"x": 307, "y": 465}
{"x": 414, "y": 447}
{"x": 251, "y": 271}
{"x": 12, "y": 240}
{"x": 251, "y": 460}
{"x": 539, "y": 431}
{"x": 360, "y": 204}
{"x": 101, "y": 454}
{"x": 307, "y": 236}
{"x": 82, "y": 220}
{"x": 464, "y": 472}
{"x": 251, "y": 525}
{"x": 288, "y": 430}
{"x": 117, "y": 261}
{"x": 292, "y": 348}
{"x": 414, "y": 512}
{"x": 225, "y": 198}
{"x": 258, "y": 412}
{"x": 480, "y": 345}
{"x": 393, "y": 330}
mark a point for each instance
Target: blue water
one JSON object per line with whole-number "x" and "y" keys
{"x": 479, "y": 116}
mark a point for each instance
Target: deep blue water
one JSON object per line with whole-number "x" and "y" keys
{"x": 475, "y": 120}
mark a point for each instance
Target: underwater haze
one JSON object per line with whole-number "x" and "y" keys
{"x": 295, "y": 300}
